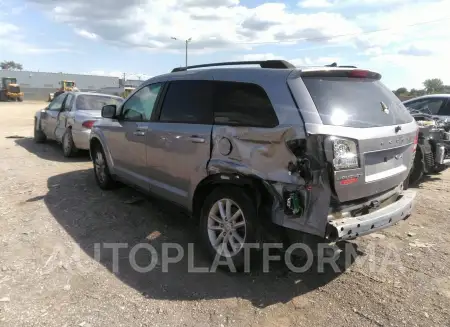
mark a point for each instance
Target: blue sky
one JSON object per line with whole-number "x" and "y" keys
{"x": 113, "y": 37}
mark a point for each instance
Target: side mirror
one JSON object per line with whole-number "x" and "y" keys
{"x": 109, "y": 111}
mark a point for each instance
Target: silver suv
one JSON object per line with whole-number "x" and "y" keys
{"x": 323, "y": 151}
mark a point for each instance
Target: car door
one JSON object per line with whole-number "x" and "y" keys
{"x": 50, "y": 116}
{"x": 179, "y": 140}
{"x": 63, "y": 116}
{"x": 127, "y": 136}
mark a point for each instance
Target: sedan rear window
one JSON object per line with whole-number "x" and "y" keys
{"x": 356, "y": 102}
{"x": 95, "y": 102}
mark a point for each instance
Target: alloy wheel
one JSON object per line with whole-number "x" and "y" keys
{"x": 226, "y": 227}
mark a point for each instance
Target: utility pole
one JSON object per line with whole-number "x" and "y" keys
{"x": 186, "y": 43}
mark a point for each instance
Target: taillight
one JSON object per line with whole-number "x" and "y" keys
{"x": 416, "y": 140}
{"x": 359, "y": 73}
{"x": 345, "y": 154}
{"x": 88, "y": 123}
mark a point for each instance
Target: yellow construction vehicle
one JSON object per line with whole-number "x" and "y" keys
{"x": 126, "y": 92}
{"x": 10, "y": 90}
{"x": 66, "y": 86}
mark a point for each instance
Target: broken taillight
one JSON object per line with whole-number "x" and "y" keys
{"x": 88, "y": 123}
{"x": 416, "y": 141}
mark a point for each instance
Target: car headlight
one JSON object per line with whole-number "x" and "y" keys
{"x": 345, "y": 154}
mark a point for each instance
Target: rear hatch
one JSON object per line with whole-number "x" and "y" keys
{"x": 369, "y": 134}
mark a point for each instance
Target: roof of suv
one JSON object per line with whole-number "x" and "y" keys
{"x": 277, "y": 67}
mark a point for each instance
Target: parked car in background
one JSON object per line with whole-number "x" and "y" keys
{"x": 68, "y": 119}
{"x": 322, "y": 151}
{"x": 436, "y": 105}
{"x": 433, "y": 149}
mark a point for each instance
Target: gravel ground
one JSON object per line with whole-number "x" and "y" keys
{"x": 53, "y": 214}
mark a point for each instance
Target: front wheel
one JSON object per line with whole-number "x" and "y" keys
{"x": 227, "y": 225}
{"x": 101, "y": 171}
{"x": 20, "y": 99}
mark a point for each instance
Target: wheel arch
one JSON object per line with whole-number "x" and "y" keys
{"x": 95, "y": 141}
{"x": 254, "y": 187}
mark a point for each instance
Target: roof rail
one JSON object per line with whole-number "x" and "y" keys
{"x": 334, "y": 64}
{"x": 277, "y": 64}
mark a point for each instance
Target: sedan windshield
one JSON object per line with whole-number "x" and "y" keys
{"x": 95, "y": 102}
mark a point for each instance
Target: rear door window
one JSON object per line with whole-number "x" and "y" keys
{"x": 243, "y": 104}
{"x": 356, "y": 102}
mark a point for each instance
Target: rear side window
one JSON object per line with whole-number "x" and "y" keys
{"x": 445, "y": 111}
{"x": 188, "y": 102}
{"x": 427, "y": 106}
{"x": 356, "y": 102}
{"x": 243, "y": 104}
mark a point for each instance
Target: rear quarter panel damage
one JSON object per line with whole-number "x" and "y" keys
{"x": 263, "y": 153}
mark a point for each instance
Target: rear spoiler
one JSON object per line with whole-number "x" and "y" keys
{"x": 342, "y": 72}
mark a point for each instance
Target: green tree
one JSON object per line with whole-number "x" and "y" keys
{"x": 402, "y": 90}
{"x": 10, "y": 65}
{"x": 433, "y": 85}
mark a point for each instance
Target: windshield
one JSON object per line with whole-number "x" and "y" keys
{"x": 70, "y": 84}
{"x": 95, "y": 102}
{"x": 10, "y": 81}
{"x": 355, "y": 102}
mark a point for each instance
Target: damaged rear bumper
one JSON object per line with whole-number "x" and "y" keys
{"x": 352, "y": 227}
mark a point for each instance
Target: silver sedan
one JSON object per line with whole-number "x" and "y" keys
{"x": 68, "y": 119}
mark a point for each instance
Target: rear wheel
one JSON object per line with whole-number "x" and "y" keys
{"x": 20, "y": 99}
{"x": 39, "y": 136}
{"x": 69, "y": 148}
{"x": 227, "y": 224}
{"x": 101, "y": 171}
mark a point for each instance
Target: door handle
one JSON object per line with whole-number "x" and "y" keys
{"x": 196, "y": 139}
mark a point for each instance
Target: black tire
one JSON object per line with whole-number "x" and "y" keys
{"x": 417, "y": 169}
{"x": 247, "y": 205}
{"x": 439, "y": 168}
{"x": 68, "y": 146}
{"x": 20, "y": 99}
{"x": 39, "y": 136}
{"x": 104, "y": 180}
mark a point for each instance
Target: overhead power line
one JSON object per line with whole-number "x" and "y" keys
{"x": 324, "y": 38}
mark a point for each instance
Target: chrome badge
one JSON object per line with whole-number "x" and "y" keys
{"x": 384, "y": 108}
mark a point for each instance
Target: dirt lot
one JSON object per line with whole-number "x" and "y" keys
{"x": 52, "y": 214}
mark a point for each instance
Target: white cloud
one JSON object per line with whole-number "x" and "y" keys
{"x": 298, "y": 62}
{"x": 18, "y": 44}
{"x": 315, "y": 4}
{"x": 129, "y": 76}
{"x": 7, "y": 29}
{"x": 257, "y": 56}
{"x": 214, "y": 24}
{"x": 85, "y": 34}
{"x": 10, "y": 8}
{"x": 340, "y": 4}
